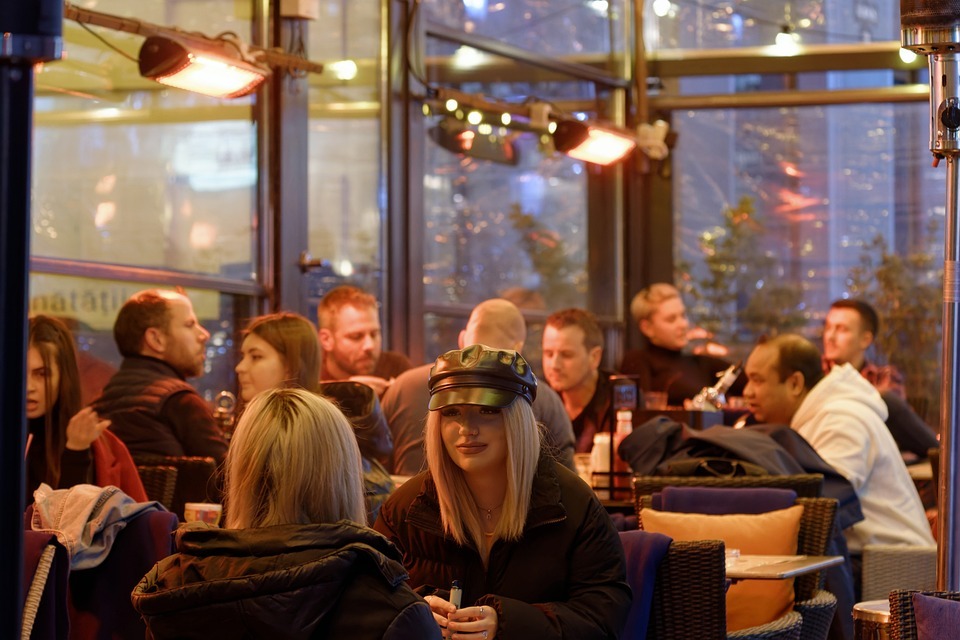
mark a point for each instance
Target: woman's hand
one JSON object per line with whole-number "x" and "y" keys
{"x": 85, "y": 427}
{"x": 473, "y": 623}
{"x": 441, "y": 610}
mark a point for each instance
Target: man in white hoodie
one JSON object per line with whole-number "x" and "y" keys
{"x": 842, "y": 416}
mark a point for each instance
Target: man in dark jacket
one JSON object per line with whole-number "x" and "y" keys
{"x": 151, "y": 406}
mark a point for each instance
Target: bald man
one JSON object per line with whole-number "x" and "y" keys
{"x": 496, "y": 323}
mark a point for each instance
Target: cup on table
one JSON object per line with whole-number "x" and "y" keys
{"x": 655, "y": 400}
{"x": 208, "y": 512}
{"x": 736, "y": 402}
{"x": 732, "y": 556}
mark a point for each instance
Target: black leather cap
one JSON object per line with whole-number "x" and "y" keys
{"x": 481, "y": 375}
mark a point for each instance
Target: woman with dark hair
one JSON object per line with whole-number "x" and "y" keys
{"x": 534, "y": 552}
{"x": 278, "y": 350}
{"x": 294, "y": 559}
{"x": 66, "y": 443}
{"x": 281, "y": 351}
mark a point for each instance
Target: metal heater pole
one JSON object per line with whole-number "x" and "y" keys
{"x": 948, "y": 569}
{"x": 29, "y": 32}
{"x": 932, "y": 28}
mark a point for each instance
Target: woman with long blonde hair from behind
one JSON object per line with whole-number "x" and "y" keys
{"x": 293, "y": 560}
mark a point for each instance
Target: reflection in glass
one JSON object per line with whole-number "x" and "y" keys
{"x": 345, "y": 211}
{"x": 796, "y": 207}
{"x": 558, "y": 27}
{"x": 493, "y": 229}
{"x": 688, "y": 24}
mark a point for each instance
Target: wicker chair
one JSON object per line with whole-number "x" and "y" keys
{"x": 888, "y": 567}
{"x": 903, "y": 619}
{"x": 689, "y": 599}
{"x": 815, "y": 606}
{"x": 806, "y": 485}
{"x": 159, "y": 481}
{"x": 195, "y": 479}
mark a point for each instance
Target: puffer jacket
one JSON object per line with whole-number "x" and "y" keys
{"x": 564, "y": 578}
{"x": 286, "y": 582}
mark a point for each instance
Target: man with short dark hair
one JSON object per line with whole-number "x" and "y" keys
{"x": 842, "y": 416}
{"x": 496, "y": 323}
{"x": 352, "y": 342}
{"x": 572, "y": 349}
{"x": 848, "y": 332}
{"x": 151, "y": 406}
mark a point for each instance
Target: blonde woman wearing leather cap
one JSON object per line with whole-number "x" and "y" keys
{"x": 533, "y": 550}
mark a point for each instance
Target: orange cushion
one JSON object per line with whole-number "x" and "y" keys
{"x": 749, "y": 602}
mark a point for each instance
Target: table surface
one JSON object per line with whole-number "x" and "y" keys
{"x": 760, "y": 567}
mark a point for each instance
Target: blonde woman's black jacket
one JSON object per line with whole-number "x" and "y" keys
{"x": 288, "y": 581}
{"x": 564, "y": 578}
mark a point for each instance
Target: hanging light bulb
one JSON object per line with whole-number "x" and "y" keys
{"x": 661, "y": 8}
{"x": 907, "y": 56}
{"x": 787, "y": 42}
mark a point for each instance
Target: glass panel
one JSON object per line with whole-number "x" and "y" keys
{"x": 504, "y": 214}
{"x": 492, "y": 227}
{"x": 90, "y": 307}
{"x": 832, "y": 81}
{"x": 345, "y": 214}
{"x": 558, "y": 27}
{"x": 795, "y": 207}
{"x": 742, "y": 23}
{"x": 127, "y": 171}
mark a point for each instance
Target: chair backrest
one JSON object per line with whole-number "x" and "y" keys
{"x": 903, "y": 618}
{"x": 100, "y": 605}
{"x": 159, "y": 481}
{"x": 689, "y": 600}
{"x": 46, "y": 568}
{"x": 887, "y": 567}
{"x": 643, "y": 552}
{"x": 195, "y": 480}
{"x": 816, "y": 528}
{"x": 807, "y": 485}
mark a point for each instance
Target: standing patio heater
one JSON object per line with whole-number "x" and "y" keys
{"x": 932, "y": 28}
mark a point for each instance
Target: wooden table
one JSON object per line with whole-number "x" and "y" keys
{"x": 759, "y": 567}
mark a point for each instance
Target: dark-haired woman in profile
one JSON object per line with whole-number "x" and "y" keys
{"x": 294, "y": 560}
{"x": 535, "y": 553}
{"x": 67, "y": 444}
{"x": 281, "y": 350}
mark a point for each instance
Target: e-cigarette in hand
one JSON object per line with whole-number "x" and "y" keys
{"x": 455, "y": 593}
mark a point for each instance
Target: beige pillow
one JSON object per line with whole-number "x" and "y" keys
{"x": 749, "y": 602}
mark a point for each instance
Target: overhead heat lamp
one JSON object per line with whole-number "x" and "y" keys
{"x": 223, "y": 66}
{"x": 591, "y": 143}
{"x": 219, "y": 70}
{"x": 932, "y": 28}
